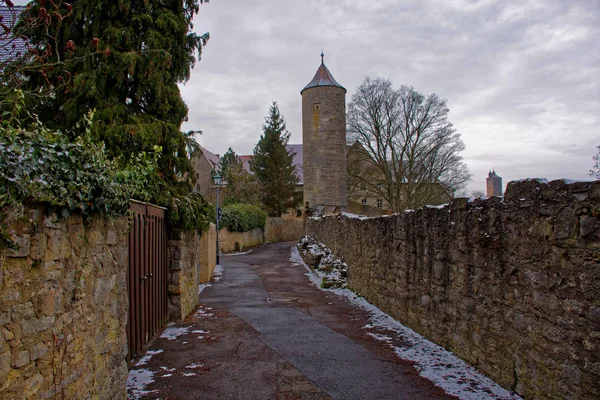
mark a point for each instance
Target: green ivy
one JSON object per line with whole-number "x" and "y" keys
{"x": 40, "y": 165}
{"x": 243, "y": 217}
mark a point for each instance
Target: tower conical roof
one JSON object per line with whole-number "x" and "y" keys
{"x": 322, "y": 78}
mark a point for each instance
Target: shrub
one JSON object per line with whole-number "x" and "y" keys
{"x": 243, "y": 217}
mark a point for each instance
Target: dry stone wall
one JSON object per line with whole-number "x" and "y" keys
{"x": 510, "y": 285}
{"x": 63, "y": 307}
{"x": 283, "y": 229}
{"x": 183, "y": 260}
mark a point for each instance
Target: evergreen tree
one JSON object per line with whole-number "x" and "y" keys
{"x": 242, "y": 186}
{"x": 124, "y": 59}
{"x": 273, "y": 165}
{"x": 229, "y": 159}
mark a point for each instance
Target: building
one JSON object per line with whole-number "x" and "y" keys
{"x": 11, "y": 47}
{"x": 324, "y": 142}
{"x": 205, "y": 165}
{"x": 493, "y": 184}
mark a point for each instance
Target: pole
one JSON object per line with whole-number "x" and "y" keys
{"x": 217, "y": 224}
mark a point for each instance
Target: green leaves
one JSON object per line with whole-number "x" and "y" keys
{"x": 243, "y": 217}
{"x": 273, "y": 165}
{"x": 44, "y": 166}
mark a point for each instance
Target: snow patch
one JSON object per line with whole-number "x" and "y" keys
{"x": 194, "y": 366}
{"x": 172, "y": 333}
{"x": 202, "y": 287}
{"x": 238, "y": 253}
{"x": 188, "y": 374}
{"x": 137, "y": 381}
{"x": 433, "y": 362}
{"x": 144, "y": 360}
{"x": 354, "y": 216}
{"x": 217, "y": 273}
{"x": 539, "y": 180}
{"x": 201, "y": 313}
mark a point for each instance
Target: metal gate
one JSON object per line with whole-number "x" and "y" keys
{"x": 147, "y": 276}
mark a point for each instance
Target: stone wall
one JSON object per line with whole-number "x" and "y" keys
{"x": 239, "y": 241}
{"x": 63, "y": 307}
{"x": 183, "y": 260}
{"x": 512, "y": 286}
{"x": 208, "y": 253}
{"x": 283, "y": 229}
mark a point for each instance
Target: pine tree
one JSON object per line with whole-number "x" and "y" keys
{"x": 229, "y": 159}
{"x": 273, "y": 165}
{"x": 124, "y": 59}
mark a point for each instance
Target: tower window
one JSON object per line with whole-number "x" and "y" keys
{"x": 364, "y": 202}
{"x": 316, "y": 106}
{"x": 379, "y": 203}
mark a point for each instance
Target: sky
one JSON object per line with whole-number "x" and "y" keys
{"x": 521, "y": 77}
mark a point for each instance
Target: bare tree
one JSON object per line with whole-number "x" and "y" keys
{"x": 405, "y": 149}
{"x": 595, "y": 171}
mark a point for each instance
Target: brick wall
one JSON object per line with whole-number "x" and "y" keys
{"x": 512, "y": 286}
{"x": 63, "y": 307}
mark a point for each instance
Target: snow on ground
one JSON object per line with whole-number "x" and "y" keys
{"x": 238, "y": 253}
{"x": 137, "y": 381}
{"x": 217, "y": 273}
{"x": 144, "y": 360}
{"x": 433, "y": 362}
{"x": 172, "y": 332}
{"x": 203, "y": 286}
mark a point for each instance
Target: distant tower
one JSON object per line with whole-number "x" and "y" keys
{"x": 324, "y": 142}
{"x": 493, "y": 184}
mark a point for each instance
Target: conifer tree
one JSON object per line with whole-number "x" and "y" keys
{"x": 273, "y": 165}
{"x": 229, "y": 159}
{"x": 124, "y": 59}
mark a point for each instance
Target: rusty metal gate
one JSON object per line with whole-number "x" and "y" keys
{"x": 147, "y": 276}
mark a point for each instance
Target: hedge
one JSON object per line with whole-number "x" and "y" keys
{"x": 243, "y": 217}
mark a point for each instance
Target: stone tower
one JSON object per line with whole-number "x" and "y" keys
{"x": 324, "y": 142}
{"x": 493, "y": 184}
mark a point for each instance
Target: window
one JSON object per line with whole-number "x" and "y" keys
{"x": 316, "y": 106}
{"x": 379, "y": 203}
{"x": 364, "y": 202}
{"x": 197, "y": 176}
{"x": 306, "y": 205}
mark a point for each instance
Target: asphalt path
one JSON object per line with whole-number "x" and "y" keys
{"x": 262, "y": 331}
{"x": 339, "y": 366}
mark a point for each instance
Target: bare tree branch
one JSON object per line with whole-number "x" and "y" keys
{"x": 405, "y": 149}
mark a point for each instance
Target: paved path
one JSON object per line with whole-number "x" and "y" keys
{"x": 264, "y": 332}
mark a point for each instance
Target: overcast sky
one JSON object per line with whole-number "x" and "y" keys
{"x": 522, "y": 78}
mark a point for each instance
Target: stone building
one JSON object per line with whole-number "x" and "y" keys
{"x": 493, "y": 184}
{"x": 205, "y": 164}
{"x": 324, "y": 142}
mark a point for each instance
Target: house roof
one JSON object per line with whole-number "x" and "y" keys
{"x": 11, "y": 47}
{"x": 212, "y": 158}
{"x": 297, "y": 161}
{"x": 322, "y": 78}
